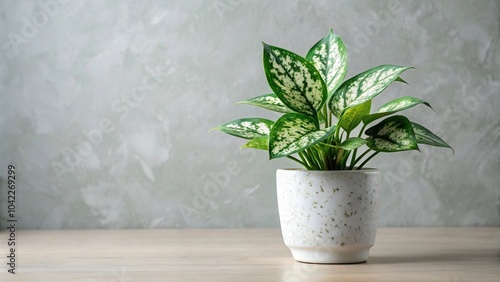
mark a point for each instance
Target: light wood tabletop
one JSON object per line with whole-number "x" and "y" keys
{"x": 400, "y": 254}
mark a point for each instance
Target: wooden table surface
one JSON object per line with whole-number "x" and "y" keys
{"x": 400, "y": 254}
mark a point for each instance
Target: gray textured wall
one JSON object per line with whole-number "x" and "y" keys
{"x": 155, "y": 76}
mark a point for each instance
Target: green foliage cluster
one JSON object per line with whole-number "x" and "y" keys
{"x": 321, "y": 110}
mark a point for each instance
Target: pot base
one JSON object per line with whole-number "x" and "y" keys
{"x": 333, "y": 256}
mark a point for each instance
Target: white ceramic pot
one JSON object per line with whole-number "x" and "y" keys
{"x": 328, "y": 216}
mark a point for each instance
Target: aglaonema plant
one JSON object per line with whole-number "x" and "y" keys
{"x": 321, "y": 111}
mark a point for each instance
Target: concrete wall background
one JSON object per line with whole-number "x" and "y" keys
{"x": 155, "y": 76}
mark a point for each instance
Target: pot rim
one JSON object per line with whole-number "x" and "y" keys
{"x": 363, "y": 170}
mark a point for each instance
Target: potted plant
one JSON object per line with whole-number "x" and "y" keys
{"x": 328, "y": 210}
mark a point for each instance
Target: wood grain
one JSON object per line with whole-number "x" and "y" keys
{"x": 400, "y": 254}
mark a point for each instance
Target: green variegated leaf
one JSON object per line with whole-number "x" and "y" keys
{"x": 248, "y": 128}
{"x": 402, "y": 103}
{"x": 425, "y": 136}
{"x": 399, "y": 79}
{"x": 261, "y": 143}
{"x": 353, "y": 116}
{"x": 329, "y": 56}
{"x": 294, "y": 80}
{"x": 394, "y": 106}
{"x": 295, "y": 132}
{"x": 352, "y": 143}
{"x": 393, "y": 134}
{"x": 269, "y": 102}
{"x": 363, "y": 87}
{"x": 370, "y": 118}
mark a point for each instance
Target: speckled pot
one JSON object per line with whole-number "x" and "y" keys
{"x": 328, "y": 216}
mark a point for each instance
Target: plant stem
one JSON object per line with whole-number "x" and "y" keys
{"x": 320, "y": 116}
{"x": 356, "y": 150}
{"x": 325, "y": 113}
{"x": 305, "y": 161}
{"x": 317, "y": 158}
{"x": 330, "y": 145}
{"x": 308, "y": 158}
{"x": 359, "y": 158}
{"x": 338, "y": 164}
{"x": 361, "y": 131}
{"x": 297, "y": 160}
{"x": 324, "y": 156}
{"x": 329, "y": 116}
{"x": 344, "y": 159}
{"x": 369, "y": 158}
{"x": 353, "y": 158}
{"x": 337, "y": 131}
